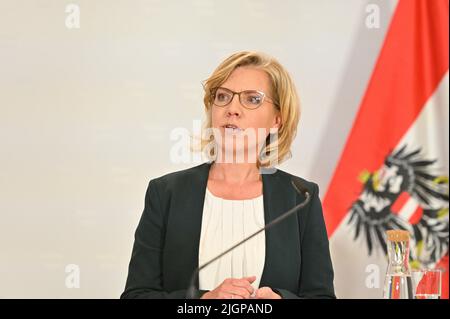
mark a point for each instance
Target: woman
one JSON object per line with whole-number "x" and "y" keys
{"x": 193, "y": 215}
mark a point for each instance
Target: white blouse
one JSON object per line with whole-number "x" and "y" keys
{"x": 224, "y": 223}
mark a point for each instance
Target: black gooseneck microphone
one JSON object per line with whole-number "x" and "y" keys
{"x": 192, "y": 290}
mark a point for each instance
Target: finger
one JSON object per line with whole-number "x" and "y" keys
{"x": 243, "y": 284}
{"x": 237, "y": 291}
{"x": 267, "y": 293}
{"x": 227, "y": 295}
{"x": 250, "y": 279}
{"x": 263, "y": 293}
{"x": 241, "y": 292}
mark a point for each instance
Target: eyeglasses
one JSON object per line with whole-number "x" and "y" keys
{"x": 250, "y": 99}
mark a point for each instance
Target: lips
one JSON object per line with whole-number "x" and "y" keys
{"x": 231, "y": 128}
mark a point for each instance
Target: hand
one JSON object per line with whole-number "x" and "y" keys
{"x": 232, "y": 288}
{"x": 266, "y": 293}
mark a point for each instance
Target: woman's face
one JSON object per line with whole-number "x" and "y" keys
{"x": 253, "y": 124}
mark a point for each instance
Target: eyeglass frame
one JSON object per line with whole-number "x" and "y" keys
{"x": 264, "y": 97}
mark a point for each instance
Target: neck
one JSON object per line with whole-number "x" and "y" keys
{"x": 235, "y": 173}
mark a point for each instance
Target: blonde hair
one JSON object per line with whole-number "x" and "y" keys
{"x": 283, "y": 94}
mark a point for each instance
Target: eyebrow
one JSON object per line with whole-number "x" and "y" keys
{"x": 223, "y": 87}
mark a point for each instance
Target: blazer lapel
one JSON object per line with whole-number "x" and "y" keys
{"x": 184, "y": 230}
{"x": 282, "y": 240}
{"x": 194, "y": 225}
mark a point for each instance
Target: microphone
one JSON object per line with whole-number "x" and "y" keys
{"x": 298, "y": 186}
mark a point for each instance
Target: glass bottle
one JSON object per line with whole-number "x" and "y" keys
{"x": 398, "y": 283}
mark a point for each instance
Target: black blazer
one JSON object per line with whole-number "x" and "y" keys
{"x": 165, "y": 251}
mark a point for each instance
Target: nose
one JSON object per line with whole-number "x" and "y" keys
{"x": 234, "y": 108}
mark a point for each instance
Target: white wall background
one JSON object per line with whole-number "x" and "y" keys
{"x": 86, "y": 115}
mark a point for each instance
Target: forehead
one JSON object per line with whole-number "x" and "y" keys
{"x": 247, "y": 78}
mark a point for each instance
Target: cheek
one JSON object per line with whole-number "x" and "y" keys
{"x": 262, "y": 120}
{"x": 216, "y": 116}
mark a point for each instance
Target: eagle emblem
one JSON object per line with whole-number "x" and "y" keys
{"x": 405, "y": 193}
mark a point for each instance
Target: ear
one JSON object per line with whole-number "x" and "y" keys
{"x": 277, "y": 121}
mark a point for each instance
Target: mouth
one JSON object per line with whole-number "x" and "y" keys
{"x": 231, "y": 128}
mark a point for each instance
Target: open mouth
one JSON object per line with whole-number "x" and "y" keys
{"x": 231, "y": 128}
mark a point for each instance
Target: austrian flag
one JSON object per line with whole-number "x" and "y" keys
{"x": 393, "y": 171}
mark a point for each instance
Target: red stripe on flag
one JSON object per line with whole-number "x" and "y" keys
{"x": 415, "y": 218}
{"x": 400, "y": 202}
{"x": 443, "y": 264}
{"x": 412, "y": 62}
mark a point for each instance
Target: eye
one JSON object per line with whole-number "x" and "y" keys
{"x": 221, "y": 97}
{"x": 254, "y": 99}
